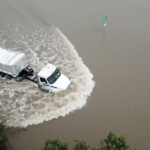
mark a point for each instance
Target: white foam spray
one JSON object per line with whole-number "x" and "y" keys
{"x": 23, "y": 104}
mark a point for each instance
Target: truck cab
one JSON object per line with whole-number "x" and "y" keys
{"x": 52, "y": 80}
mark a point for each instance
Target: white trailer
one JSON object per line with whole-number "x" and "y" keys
{"x": 14, "y": 65}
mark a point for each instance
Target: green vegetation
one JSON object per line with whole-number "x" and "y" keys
{"x": 114, "y": 143}
{"x": 55, "y": 145}
{"x": 111, "y": 143}
{"x": 3, "y": 138}
{"x": 81, "y": 145}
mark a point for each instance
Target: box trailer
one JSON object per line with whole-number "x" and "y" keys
{"x": 12, "y": 63}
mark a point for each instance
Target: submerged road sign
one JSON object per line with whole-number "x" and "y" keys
{"x": 104, "y": 20}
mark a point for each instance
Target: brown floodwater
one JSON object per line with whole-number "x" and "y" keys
{"x": 118, "y": 57}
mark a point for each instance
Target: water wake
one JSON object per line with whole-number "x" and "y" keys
{"x": 23, "y": 104}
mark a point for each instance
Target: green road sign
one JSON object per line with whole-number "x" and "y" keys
{"x": 104, "y": 20}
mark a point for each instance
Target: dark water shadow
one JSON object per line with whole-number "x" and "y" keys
{"x": 103, "y": 36}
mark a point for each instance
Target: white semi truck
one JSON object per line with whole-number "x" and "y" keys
{"x": 14, "y": 65}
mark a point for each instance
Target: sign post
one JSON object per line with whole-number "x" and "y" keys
{"x": 104, "y": 21}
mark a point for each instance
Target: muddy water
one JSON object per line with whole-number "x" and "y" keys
{"x": 118, "y": 57}
{"x": 23, "y": 103}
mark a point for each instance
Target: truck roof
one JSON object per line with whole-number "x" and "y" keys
{"x": 7, "y": 56}
{"x": 47, "y": 71}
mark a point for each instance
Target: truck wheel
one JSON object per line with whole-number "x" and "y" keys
{"x": 8, "y": 77}
{"x": 3, "y": 74}
{"x": 52, "y": 93}
{"x": 19, "y": 79}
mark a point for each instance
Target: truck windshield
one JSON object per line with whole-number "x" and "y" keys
{"x": 54, "y": 76}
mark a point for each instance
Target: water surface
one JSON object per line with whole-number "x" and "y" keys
{"x": 118, "y": 57}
